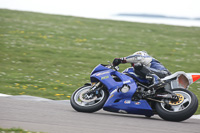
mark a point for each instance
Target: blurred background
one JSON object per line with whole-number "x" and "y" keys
{"x": 172, "y": 12}
{"x": 48, "y": 48}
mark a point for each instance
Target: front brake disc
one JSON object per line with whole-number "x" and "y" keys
{"x": 89, "y": 99}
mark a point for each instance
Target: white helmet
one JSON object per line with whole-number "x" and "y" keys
{"x": 141, "y": 53}
{"x": 144, "y": 58}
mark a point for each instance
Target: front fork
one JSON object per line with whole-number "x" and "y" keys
{"x": 95, "y": 89}
{"x": 95, "y": 86}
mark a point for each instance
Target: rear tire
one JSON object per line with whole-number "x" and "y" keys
{"x": 180, "y": 111}
{"x": 91, "y": 106}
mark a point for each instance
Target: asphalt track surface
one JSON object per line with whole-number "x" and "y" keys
{"x": 51, "y": 116}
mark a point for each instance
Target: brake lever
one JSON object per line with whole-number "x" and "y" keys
{"x": 116, "y": 68}
{"x": 110, "y": 63}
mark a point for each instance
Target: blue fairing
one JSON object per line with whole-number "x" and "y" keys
{"x": 99, "y": 68}
{"x": 118, "y": 101}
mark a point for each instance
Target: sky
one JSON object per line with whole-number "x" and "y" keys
{"x": 104, "y": 9}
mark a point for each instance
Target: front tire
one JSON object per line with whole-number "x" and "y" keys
{"x": 92, "y": 105}
{"x": 180, "y": 110}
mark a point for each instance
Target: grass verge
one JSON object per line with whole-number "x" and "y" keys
{"x": 15, "y": 130}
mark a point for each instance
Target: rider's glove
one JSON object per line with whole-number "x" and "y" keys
{"x": 116, "y": 61}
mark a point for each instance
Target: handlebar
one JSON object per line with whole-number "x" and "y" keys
{"x": 111, "y": 66}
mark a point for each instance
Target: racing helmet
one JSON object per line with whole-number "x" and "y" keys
{"x": 141, "y": 53}
{"x": 145, "y": 58}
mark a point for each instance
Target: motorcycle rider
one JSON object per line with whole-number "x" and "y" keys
{"x": 145, "y": 66}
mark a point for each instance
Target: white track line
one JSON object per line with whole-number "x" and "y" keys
{"x": 4, "y": 95}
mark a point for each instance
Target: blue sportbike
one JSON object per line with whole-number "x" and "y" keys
{"x": 127, "y": 92}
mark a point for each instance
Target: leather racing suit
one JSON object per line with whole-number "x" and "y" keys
{"x": 145, "y": 66}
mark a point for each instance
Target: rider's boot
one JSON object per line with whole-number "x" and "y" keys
{"x": 155, "y": 81}
{"x": 144, "y": 72}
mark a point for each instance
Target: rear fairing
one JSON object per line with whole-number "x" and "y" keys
{"x": 181, "y": 79}
{"x": 193, "y": 77}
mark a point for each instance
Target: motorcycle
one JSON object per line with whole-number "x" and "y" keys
{"x": 127, "y": 92}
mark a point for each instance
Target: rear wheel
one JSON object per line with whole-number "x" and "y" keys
{"x": 83, "y": 101}
{"x": 179, "y": 110}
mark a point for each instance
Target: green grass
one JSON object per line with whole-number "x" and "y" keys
{"x": 15, "y": 130}
{"x": 50, "y": 55}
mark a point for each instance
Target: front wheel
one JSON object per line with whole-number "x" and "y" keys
{"x": 83, "y": 101}
{"x": 179, "y": 110}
